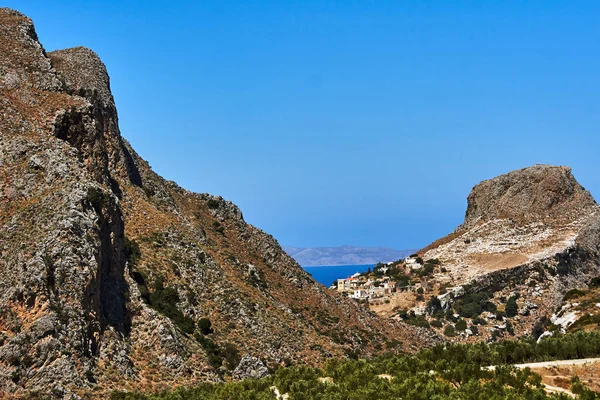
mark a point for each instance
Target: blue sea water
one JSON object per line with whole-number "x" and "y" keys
{"x": 327, "y": 274}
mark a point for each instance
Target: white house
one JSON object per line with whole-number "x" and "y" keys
{"x": 360, "y": 294}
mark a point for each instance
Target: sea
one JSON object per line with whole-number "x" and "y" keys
{"x": 327, "y": 274}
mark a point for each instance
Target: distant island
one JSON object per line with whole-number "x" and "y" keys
{"x": 344, "y": 255}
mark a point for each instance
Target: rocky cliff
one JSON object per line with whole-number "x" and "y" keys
{"x": 538, "y": 194}
{"x": 530, "y": 235}
{"x": 113, "y": 278}
{"x": 523, "y": 216}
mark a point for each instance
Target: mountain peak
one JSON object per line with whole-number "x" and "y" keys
{"x": 84, "y": 73}
{"x": 540, "y": 193}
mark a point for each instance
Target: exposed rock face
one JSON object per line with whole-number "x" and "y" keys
{"x": 250, "y": 367}
{"x": 534, "y": 232}
{"x": 536, "y": 194}
{"x": 524, "y": 216}
{"x": 106, "y": 269}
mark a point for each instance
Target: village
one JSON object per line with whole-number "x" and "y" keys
{"x": 384, "y": 280}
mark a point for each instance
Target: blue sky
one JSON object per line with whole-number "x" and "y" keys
{"x": 346, "y": 122}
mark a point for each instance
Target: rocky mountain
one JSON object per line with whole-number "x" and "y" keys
{"x": 344, "y": 255}
{"x": 113, "y": 278}
{"x": 522, "y": 217}
{"x": 528, "y": 238}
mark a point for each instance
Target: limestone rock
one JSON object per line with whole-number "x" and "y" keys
{"x": 250, "y": 367}
{"x": 541, "y": 193}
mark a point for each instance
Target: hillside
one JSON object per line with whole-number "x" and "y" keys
{"x": 344, "y": 255}
{"x": 113, "y": 278}
{"x": 529, "y": 237}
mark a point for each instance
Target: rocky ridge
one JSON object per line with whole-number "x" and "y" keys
{"x": 521, "y": 217}
{"x": 531, "y": 234}
{"x": 113, "y": 278}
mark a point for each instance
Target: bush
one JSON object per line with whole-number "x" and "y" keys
{"x": 426, "y": 270}
{"x": 132, "y": 251}
{"x": 418, "y": 321}
{"x": 164, "y": 300}
{"x": 509, "y": 328}
{"x": 218, "y": 227}
{"x": 205, "y": 326}
{"x": 573, "y": 294}
{"x": 449, "y": 331}
{"x": 511, "y": 307}
{"x": 213, "y": 204}
{"x": 140, "y": 279}
{"x": 473, "y": 304}
{"x": 231, "y": 354}
{"x": 461, "y": 325}
{"x": 434, "y": 305}
{"x": 436, "y": 323}
{"x": 213, "y": 352}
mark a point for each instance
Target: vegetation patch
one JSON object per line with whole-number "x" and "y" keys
{"x": 473, "y": 304}
{"x": 450, "y": 371}
{"x": 573, "y": 294}
{"x": 164, "y": 300}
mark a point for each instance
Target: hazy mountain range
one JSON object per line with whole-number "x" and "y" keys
{"x": 344, "y": 255}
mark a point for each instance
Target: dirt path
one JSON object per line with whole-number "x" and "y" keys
{"x": 537, "y": 366}
{"x": 548, "y": 364}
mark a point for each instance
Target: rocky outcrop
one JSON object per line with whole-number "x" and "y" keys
{"x": 538, "y": 194}
{"x": 111, "y": 276}
{"x": 250, "y": 367}
{"x": 532, "y": 233}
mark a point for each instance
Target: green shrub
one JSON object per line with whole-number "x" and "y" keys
{"x": 434, "y": 305}
{"x": 213, "y": 204}
{"x": 418, "y": 321}
{"x": 509, "y": 328}
{"x": 218, "y": 227}
{"x": 205, "y": 326}
{"x": 511, "y": 307}
{"x": 164, "y": 300}
{"x": 436, "y": 323}
{"x": 213, "y": 352}
{"x": 573, "y": 294}
{"x": 132, "y": 251}
{"x": 473, "y": 304}
{"x": 231, "y": 355}
{"x": 449, "y": 331}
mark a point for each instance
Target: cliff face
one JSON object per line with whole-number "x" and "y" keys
{"x": 109, "y": 274}
{"x": 531, "y": 234}
{"x": 523, "y": 216}
{"x": 538, "y": 194}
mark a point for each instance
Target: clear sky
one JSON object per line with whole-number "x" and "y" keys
{"x": 346, "y": 122}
